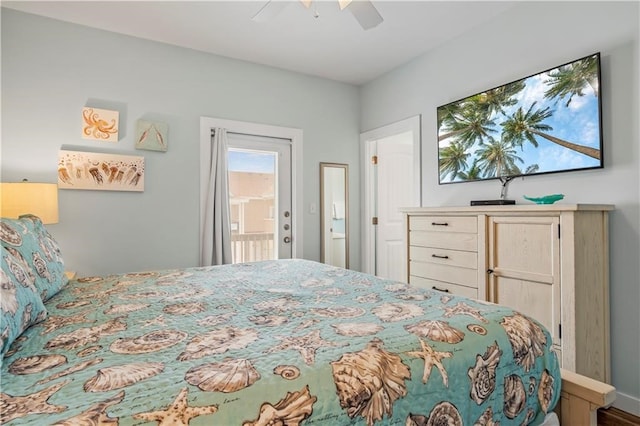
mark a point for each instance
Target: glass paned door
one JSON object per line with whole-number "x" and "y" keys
{"x": 259, "y": 198}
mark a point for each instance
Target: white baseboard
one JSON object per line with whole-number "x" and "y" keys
{"x": 627, "y": 403}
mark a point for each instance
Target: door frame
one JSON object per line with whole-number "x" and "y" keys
{"x": 259, "y": 129}
{"x": 367, "y": 198}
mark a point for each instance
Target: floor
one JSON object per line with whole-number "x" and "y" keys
{"x": 614, "y": 417}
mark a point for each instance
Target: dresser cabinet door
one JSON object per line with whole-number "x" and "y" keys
{"x": 524, "y": 267}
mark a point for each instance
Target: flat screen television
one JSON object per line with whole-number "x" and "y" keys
{"x": 548, "y": 122}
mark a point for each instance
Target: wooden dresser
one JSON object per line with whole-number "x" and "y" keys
{"x": 548, "y": 261}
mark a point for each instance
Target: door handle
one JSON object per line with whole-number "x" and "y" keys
{"x": 287, "y": 240}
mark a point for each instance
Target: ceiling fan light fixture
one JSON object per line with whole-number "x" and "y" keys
{"x": 343, "y": 3}
{"x": 363, "y": 10}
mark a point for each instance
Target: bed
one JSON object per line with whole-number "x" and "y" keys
{"x": 283, "y": 342}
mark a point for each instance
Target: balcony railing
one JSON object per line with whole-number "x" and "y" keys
{"x": 252, "y": 247}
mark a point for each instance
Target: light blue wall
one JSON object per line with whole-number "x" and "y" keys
{"x": 51, "y": 70}
{"x": 531, "y": 37}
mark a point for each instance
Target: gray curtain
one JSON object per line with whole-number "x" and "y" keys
{"x": 216, "y": 238}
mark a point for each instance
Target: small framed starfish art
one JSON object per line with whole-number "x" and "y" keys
{"x": 151, "y": 136}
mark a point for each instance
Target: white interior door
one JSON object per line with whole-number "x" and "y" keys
{"x": 394, "y": 189}
{"x": 260, "y": 197}
{"x": 392, "y": 183}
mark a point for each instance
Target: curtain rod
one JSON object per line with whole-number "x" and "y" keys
{"x": 213, "y": 133}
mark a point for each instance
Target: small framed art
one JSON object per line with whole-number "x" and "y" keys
{"x": 152, "y": 136}
{"x": 100, "y": 124}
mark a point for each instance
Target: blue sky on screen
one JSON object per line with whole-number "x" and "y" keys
{"x": 251, "y": 161}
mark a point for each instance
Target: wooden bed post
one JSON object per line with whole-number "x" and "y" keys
{"x": 580, "y": 399}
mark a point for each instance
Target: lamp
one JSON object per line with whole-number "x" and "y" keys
{"x": 38, "y": 199}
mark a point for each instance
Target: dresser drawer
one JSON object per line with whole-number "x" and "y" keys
{"x": 445, "y": 273}
{"x": 468, "y": 224}
{"x": 457, "y": 290}
{"x": 444, "y": 240}
{"x": 465, "y": 259}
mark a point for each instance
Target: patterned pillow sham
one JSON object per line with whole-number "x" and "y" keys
{"x": 30, "y": 242}
{"x": 20, "y": 303}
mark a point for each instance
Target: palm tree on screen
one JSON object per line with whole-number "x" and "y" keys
{"x": 498, "y": 158}
{"x": 447, "y": 113}
{"x": 453, "y": 159}
{"x": 495, "y": 101}
{"x": 520, "y": 127}
{"x": 467, "y": 124}
{"x": 523, "y": 126}
{"x": 531, "y": 169}
{"x": 474, "y": 173}
{"x": 571, "y": 80}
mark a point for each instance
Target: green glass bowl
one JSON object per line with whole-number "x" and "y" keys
{"x": 547, "y": 199}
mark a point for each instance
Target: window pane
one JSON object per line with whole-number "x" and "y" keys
{"x": 252, "y": 198}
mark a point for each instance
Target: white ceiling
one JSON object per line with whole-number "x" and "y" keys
{"x": 332, "y": 46}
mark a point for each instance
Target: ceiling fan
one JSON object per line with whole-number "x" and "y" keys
{"x": 363, "y": 10}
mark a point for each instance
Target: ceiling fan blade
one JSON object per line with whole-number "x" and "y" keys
{"x": 366, "y": 13}
{"x": 343, "y": 3}
{"x": 269, "y": 10}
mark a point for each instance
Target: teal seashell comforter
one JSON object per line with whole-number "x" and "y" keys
{"x": 277, "y": 342}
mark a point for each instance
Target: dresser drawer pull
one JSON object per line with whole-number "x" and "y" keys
{"x": 437, "y": 256}
{"x": 446, "y": 290}
{"x": 439, "y": 224}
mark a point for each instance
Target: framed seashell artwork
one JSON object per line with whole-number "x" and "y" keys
{"x": 152, "y": 136}
{"x": 100, "y": 171}
{"x": 100, "y": 124}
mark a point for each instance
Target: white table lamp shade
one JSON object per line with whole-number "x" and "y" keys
{"x": 39, "y": 199}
